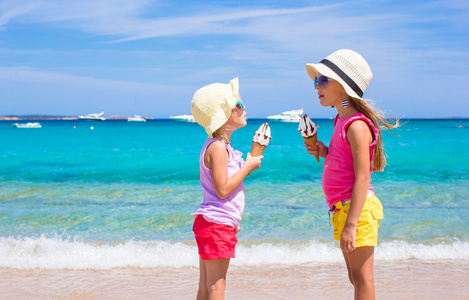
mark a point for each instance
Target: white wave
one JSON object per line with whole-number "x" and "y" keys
{"x": 401, "y": 250}
{"x": 55, "y": 253}
{"x": 59, "y": 253}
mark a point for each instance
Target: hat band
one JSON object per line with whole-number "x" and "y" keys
{"x": 349, "y": 81}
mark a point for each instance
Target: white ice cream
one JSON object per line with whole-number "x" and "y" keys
{"x": 262, "y": 135}
{"x": 307, "y": 128}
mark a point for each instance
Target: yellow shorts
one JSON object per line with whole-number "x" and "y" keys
{"x": 368, "y": 223}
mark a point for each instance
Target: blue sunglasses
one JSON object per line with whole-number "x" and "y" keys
{"x": 322, "y": 81}
{"x": 240, "y": 104}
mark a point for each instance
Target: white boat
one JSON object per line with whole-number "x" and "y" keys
{"x": 93, "y": 117}
{"x": 287, "y": 116}
{"x": 27, "y": 125}
{"x": 183, "y": 118}
{"x": 136, "y": 118}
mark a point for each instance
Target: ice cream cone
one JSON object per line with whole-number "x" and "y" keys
{"x": 312, "y": 142}
{"x": 260, "y": 140}
{"x": 257, "y": 149}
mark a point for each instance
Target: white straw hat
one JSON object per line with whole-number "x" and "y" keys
{"x": 347, "y": 67}
{"x": 212, "y": 104}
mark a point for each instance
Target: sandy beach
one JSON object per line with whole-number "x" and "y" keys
{"x": 394, "y": 280}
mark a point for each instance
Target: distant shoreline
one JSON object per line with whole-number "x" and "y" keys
{"x": 41, "y": 117}
{"x": 21, "y": 118}
{"x": 72, "y": 118}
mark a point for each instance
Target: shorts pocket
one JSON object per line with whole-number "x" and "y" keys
{"x": 377, "y": 213}
{"x": 376, "y": 208}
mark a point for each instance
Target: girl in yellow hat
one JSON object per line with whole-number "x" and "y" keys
{"x": 218, "y": 108}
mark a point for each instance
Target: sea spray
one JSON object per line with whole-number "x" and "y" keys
{"x": 58, "y": 253}
{"x": 402, "y": 250}
{"x": 70, "y": 253}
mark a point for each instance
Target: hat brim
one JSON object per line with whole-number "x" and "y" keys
{"x": 315, "y": 69}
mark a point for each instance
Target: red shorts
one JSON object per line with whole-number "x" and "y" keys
{"x": 214, "y": 240}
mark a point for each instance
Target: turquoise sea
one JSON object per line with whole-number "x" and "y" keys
{"x": 99, "y": 195}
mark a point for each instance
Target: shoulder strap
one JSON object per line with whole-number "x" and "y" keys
{"x": 362, "y": 117}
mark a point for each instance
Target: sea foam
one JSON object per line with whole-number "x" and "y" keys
{"x": 60, "y": 253}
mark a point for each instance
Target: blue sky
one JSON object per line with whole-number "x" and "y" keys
{"x": 147, "y": 57}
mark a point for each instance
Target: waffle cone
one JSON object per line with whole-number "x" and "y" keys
{"x": 257, "y": 149}
{"x": 312, "y": 142}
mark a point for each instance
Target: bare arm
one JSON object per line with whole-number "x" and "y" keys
{"x": 359, "y": 137}
{"x": 216, "y": 158}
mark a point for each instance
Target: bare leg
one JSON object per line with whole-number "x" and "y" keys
{"x": 202, "y": 293}
{"x": 212, "y": 281}
{"x": 360, "y": 264}
{"x": 348, "y": 268}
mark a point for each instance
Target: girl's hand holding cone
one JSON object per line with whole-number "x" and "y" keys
{"x": 320, "y": 151}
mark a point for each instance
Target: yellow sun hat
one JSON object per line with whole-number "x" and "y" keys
{"x": 212, "y": 104}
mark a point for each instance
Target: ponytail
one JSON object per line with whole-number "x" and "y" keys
{"x": 376, "y": 116}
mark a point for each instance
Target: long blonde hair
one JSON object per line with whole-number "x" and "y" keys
{"x": 377, "y": 117}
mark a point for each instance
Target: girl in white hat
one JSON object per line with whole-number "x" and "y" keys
{"x": 354, "y": 152}
{"x": 218, "y": 108}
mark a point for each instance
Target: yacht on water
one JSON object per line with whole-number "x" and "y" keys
{"x": 136, "y": 118}
{"x": 93, "y": 117}
{"x": 287, "y": 116}
{"x": 27, "y": 125}
{"x": 183, "y": 118}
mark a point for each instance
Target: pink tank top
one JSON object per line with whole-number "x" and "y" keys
{"x": 222, "y": 211}
{"x": 338, "y": 177}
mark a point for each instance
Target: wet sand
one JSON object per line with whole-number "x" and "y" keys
{"x": 409, "y": 279}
